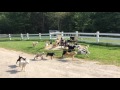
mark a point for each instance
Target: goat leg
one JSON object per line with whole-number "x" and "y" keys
{"x": 34, "y": 58}
{"x": 42, "y": 57}
{"x": 51, "y": 57}
{"x": 72, "y": 57}
{"x": 22, "y": 69}
{"x": 16, "y": 61}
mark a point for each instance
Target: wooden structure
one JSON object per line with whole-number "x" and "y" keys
{"x": 73, "y": 39}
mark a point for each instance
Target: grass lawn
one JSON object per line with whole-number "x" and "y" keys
{"x": 106, "y": 54}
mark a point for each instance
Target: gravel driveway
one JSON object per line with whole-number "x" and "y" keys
{"x": 56, "y": 68}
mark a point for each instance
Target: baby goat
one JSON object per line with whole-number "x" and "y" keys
{"x": 39, "y": 55}
{"x": 19, "y": 59}
{"x": 69, "y": 54}
{"x": 71, "y": 47}
{"x": 82, "y": 47}
{"x": 23, "y": 64}
{"x": 50, "y": 54}
{"x": 46, "y": 44}
{"x": 83, "y": 50}
{"x": 34, "y": 44}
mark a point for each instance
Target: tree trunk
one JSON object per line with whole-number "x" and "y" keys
{"x": 58, "y": 24}
{"x": 43, "y": 22}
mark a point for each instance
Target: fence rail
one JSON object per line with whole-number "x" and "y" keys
{"x": 87, "y": 37}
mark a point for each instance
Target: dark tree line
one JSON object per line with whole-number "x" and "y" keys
{"x": 42, "y": 22}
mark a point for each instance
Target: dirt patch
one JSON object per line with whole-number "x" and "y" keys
{"x": 56, "y": 68}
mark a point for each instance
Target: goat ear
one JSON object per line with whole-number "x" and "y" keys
{"x": 20, "y": 56}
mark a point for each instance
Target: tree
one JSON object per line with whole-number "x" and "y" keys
{"x": 41, "y": 22}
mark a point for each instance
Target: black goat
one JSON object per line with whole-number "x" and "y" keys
{"x": 50, "y": 54}
{"x": 71, "y": 47}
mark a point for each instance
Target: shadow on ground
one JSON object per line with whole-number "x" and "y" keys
{"x": 62, "y": 60}
{"x": 12, "y": 71}
{"x": 66, "y": 60}
{"x": 38, "y": 59}
{"x": 12, "y": 66}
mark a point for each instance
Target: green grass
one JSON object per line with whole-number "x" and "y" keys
{"x": 104, "y": 53}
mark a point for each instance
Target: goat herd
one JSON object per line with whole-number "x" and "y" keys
{"x": 70, "y": 49}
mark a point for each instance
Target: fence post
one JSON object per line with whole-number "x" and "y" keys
{"x": 50, "y": 35}
{"x": 97, "y": 36}
{"x": 40, "y": 35}
{"x": 21, "y": 36}
{"x": 10, "y": 36}
{"x": 76, "y": 33}
{"x": 62, "y": 33}
{"x": 28, "y": 36}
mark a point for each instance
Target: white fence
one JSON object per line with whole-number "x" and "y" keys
{"x": 87, "y": 37}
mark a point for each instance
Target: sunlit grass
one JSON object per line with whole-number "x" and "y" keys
{"x": 103, "y": 53}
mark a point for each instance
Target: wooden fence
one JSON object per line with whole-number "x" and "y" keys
{"x": 87, "y": 37}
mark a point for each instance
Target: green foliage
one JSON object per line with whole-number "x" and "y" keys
{"x": 42, "y": 22}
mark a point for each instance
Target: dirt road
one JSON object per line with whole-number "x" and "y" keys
{"x": 56, "y": 68}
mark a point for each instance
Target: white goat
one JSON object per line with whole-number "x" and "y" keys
{"x": 46, "y": 44}
{"x": 23, "y": 64}
{"x": 83, "y": 51}
{"x": 82, "y": 47}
